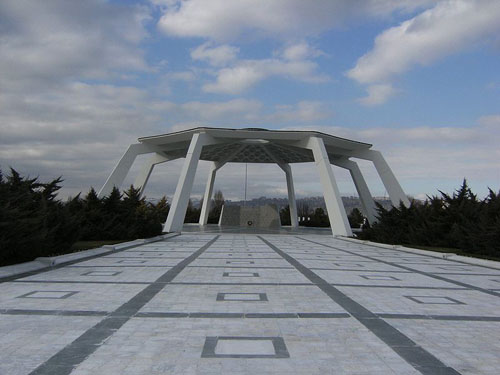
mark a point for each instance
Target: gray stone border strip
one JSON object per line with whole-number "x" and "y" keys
{"x": 82, "y": 282}
{"x": 44, "y": 264}
{"x": 53, "y": 312}
{"x": 241, "y": 315}
{"x": 428, "y": 253}
{"x": 64, "y": 362}
{"x": 240, "y": 284}
{"x": 465, "y": 318}
{"x": 431, "y": 275}
{"x": 407, "y": 349}
{"x": 309, "y": 315}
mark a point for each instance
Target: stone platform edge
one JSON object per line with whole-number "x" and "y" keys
{"x": 435, "y": 254}
{"x": 44, "y": 262}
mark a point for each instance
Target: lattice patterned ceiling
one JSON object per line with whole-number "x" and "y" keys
{"x": 251, "y": 153}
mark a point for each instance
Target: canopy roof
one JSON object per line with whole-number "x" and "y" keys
{"x": 252, "y": 145}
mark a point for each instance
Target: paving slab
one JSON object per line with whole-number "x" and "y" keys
{"x": 253, "y": 303}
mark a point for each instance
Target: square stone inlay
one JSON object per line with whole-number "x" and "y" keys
{"x": 240, "y": 262}
{"x": 240, "y": 274}
{"x": 244, "y": 347}
{"x": 131, "y": 261}
{"x": 49, "y": 294}
{"x": 435, "y": 300}
{"x": 101, "y": 273}
{"x": 155, "y": 254}
{"x": 348, "y": 265}
{"x": 379, "y": 277}
{"x": 249, "y": 297}
{"x": 454, "y": 268}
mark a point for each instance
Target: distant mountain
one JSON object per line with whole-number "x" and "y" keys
{"x": 311, "y": 202}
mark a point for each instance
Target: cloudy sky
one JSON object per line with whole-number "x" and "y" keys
{"x": 419, "y": 79}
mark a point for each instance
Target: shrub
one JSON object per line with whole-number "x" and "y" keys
{"x": 32, "y": 222}
{"x": 458, "y": 221}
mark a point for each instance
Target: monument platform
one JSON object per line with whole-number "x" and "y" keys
{"x": 230, "y": 302}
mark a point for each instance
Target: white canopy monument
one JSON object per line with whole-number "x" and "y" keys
{"x": 255, "y": 145}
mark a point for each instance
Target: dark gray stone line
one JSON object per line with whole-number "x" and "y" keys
{"x": 64, "y": 362}
{"x": 249, "y": 267}
{"x": 234, "y": 258}
{"x": 238, "y": 284}
{"x": 238, "y": 252}
{"x": 82, "y": 282}
{"x": 467, "y": 318}
{"x": 173, "y": 265}
{"x": 407, "y": 349}
{"x": 215, "y": 315}
{"x": 158, "y": 251}
{"x": 229, "y": 283}
{"x": 397, "y": 286}
{"x": 464, "y": 274}
{"x": 422, "y": 255}
{"x": 53, "y": 312}
{"x": 144, "y": 257}
{"x": 431, "y": 275}
{"x": 323, "y": 315}
{"x": 355, "y": 270}
{"x": 125, "y": 266}
{"x": 153, "y": 282}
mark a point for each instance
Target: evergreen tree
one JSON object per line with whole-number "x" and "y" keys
{"x": 216, "y": 207}
{"x": 285, "y": 216}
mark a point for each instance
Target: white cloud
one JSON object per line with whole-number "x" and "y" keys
{"x": 300, "y": 51}
{"x": 187, "y": 76}
{"x": 378, "y": 94}
{"x": 46, "y": 43}
{"x": 216, "y": 56}
{"x": 247, "y": 73}
{"x": 227, "y": 20}
{"x": 426, "y": 158}
{"x": 303, "y": 111}
{"x": 451, "y": 26}
{"x": 241, "y": 109}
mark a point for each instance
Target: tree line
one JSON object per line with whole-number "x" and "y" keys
{"x": 318, "y": 217}
{"x": 34, "y": 223}
{"x": 459, "y": 221}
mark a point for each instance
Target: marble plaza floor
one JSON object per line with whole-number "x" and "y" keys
{"x": 250, "y": 303}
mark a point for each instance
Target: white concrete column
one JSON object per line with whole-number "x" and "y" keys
{"x": 122, "y": 168}
{"x": 177, "y": 212}
{"x": 335, "y": 207}
{"x": 367, "y": 202}
{"x": 143, "y": 176}
{"x": 292, "y": 203}
{"x": 394, "y": 189}
{"x": 207, "y": 198}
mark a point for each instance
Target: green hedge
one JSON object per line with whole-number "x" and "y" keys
{"x": 460, "y": 221}
{"x": 34, "y": 223}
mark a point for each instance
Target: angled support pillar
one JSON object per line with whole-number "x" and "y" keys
{"x": 367, "y": 202}
{"x": 335, "y": 207}
{"x": 122, "y": 168}
{"x": 207, "y": 198}
{"x": 143, "y": 177}
{"x": 394, "y": 189}
{"x": 177, "y": 212}
{"x": 291, "y": 194}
